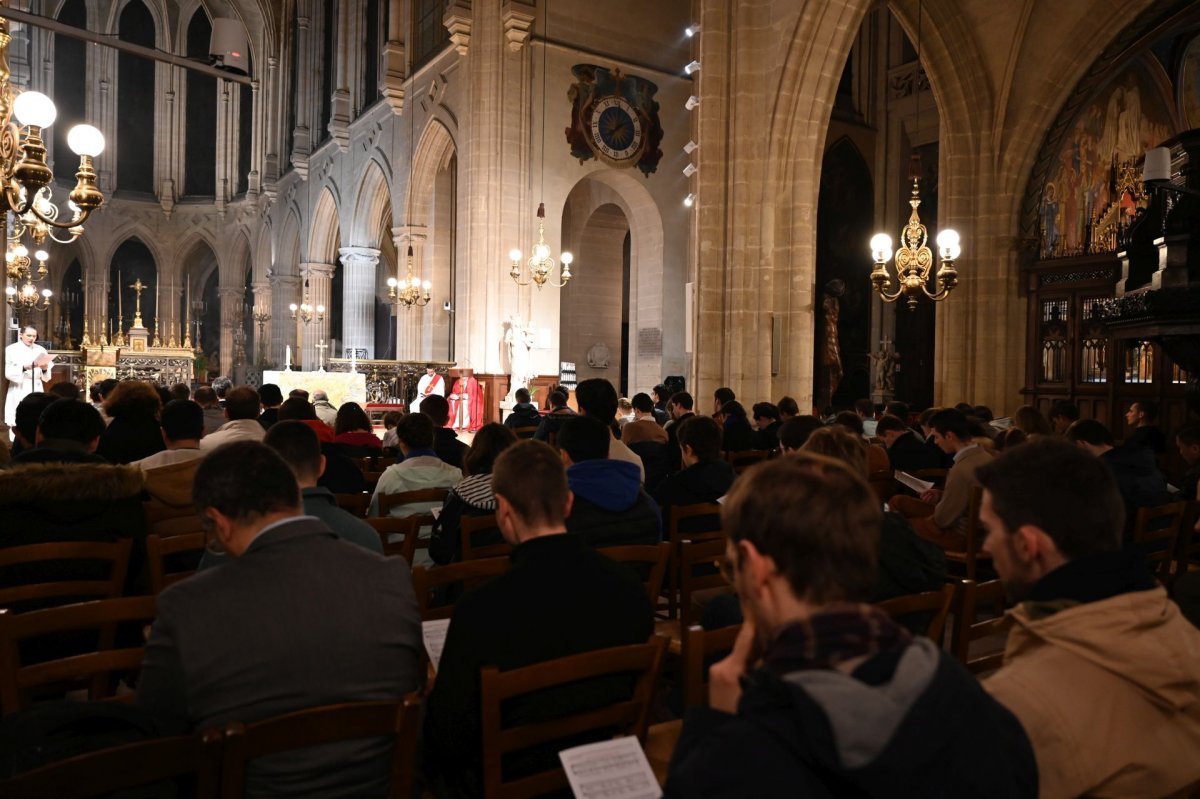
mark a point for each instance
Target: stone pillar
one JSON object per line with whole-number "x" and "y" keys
{"x": 95, "y": 309}
{"x": 285, "y": 289}
{"x": 409, "y": 320}
{"x": 305, "y": 98}
{"x": 262, "y": 304}
{"x": 319, "y": 280}
{"x": 233, "y": 299}
{"x": 359, "y": 265}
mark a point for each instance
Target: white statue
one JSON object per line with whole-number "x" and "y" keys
{"x": 519, "y": 340}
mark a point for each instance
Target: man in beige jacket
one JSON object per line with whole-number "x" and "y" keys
{"x": 1101, "y": 668}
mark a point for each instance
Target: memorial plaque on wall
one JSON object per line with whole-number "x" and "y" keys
{"x": 649, "y": 342}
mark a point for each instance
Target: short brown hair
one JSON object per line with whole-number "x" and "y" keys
{"x": 530, "y": 475}
{"x": 242, "y": 403}
{"x": 841, "y": 445}
{"x": 815, "y": 518}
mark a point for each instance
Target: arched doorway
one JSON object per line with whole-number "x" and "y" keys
{"x": 132, "y": 262}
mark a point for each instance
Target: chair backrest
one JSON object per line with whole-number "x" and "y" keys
{"x": 423, "y": 495}
{"x": 652, "y": 557}
{"x": 970, "y": 554}
{"x": 159, "y": 549}
{"x": 17, "y": 681}
{"x": 971, "y": 596}
{"x": 935, "y": 476}
{"x": 697, "y": 646}
{"x": 1156, "y": 532}
{"x": 469, "y": 572}
{"x": 626, "y": 717}
{"x": 471, "y": 530}
{"x": 694, "y": 522}
{"x": 354, "y": 504}
{"x": 525, "y": 432}
{"x": 407, "y": 527}
{"x": 743, "y": 459}
{"x": 395, "y": 719}
{"x": 367, "y": 464}
{"x": 44, "y": 560}
{"x": 1189, "y": 538}
{"x": 176, "y": 525}
{"x": 883, "y": 484}
{"x": 937, "y": 603}
{"x": 121, "y": 768}
{"x": 698, "y": 571}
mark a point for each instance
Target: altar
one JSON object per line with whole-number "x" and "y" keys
{"x": 341, "y": 387}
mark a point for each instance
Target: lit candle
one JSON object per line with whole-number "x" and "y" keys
{"x": 353, "y": 358}
{"x": 287, "y": 358}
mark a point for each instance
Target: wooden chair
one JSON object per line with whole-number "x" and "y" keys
{"x": 398, "y": 720}
{"x": 120, "y": 768}
{"x": 938, "y": 603}
{"x": 389, "y": 501}
{"x": 626, "y": 717}
{"x": 470, "y": 528}
{"x": 368, "y": 464}
{"x": 44, "y": 558}
{"x": 470, "y": 573}
{"x": 372, "y": 479}
{"x": 525, "y": 432}
{"x": 971, "y": 553}
{"x": 17, "y": 681}
{"x": 698, "y": 646}
{"x": 883, "y": 483}
{"x": 1156, "y": 532}
{"x": 652, "y": 557}
{"x": 968, "y": 630}
{"x": 701, "y": 520}
{"x": 1188, "y": 547}
{"x": 692, "y": 554}
{"x": 176, "y": 525}
{"x": 354, "y": 504}
{"x": 158, "y": 549}
{"x": 409, "y": 527}
{"x": 744, "y": 459}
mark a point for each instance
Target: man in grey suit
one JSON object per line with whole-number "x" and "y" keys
{"x": 297, "y": 618}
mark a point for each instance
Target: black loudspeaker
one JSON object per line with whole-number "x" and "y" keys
{"x": 675, "y": 383}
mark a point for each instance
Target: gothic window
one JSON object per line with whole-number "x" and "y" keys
{"x": 135, "y": 103}
{"x": 70, "y": 90}
{"x": 200, "y": 130}
{"x": 131, "y": 262}
{"x": 1093, "y": 345}
{"x": 328, "y": 66}
{"x": 369, "y": 89}
{"x": 1139, "y": 362}
{"x": 1054, "y": 340}
{"x": 429, "y": 35}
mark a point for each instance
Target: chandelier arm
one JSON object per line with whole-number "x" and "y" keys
{"x": 936, "y": 296}
{"x": 84, "y": 213}
{"x": 886, "y": 297}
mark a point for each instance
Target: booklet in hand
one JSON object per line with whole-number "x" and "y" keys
{"x": 916, "y": 484}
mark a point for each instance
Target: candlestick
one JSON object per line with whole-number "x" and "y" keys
{"x": 120, "y": 286}
{"x": 287, "y": 358}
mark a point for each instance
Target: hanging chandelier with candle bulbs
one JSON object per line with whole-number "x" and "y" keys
{"x": 306, "y": 311}
{"x": 409, "y": 292}
{"x": 22, "y": 292}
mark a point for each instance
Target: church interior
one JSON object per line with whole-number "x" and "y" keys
{"x": 928, "y": 203}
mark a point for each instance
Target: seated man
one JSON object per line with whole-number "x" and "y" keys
{"x": 68, "y": 431}
{"x": 1101, "y": 668}
{"x": 182, "y": 423}
{"x": 598, "y": 399}
{"x": 421, "y": 467}
{"x": 680, "y": 409}
{"x": 559, "y": 412}
{"x": 25, "y": 424}
{"x": 524, "y": 413}
{"x": 1063, "y": 414}
{"x": 445, "y": 441}
{"x": 1142, "y": 416}
{"x": 644, "y": 426}
{"x": 706, "y": 476}
{"x": 940, "y": 515}
{"x": 322, "y": 407}
{"x": 271, "y": 397}
{"x": 214, "y": 416}
{"x": 795, "y": 432}
{"x": 559, "y": 598}
{"x": 766, "y": 424}
{"x": 1135, "y": 469}
{"x": 905, "y": 452}
{"x": 241, "y": 411}
{"x": 824, "y": 695}
{"x": 296, "y": 619}
{"x": 611, "y": 508}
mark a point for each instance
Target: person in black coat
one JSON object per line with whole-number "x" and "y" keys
{"x": 905, "y": 452}
{"x": 706, "y": 476}
{"x": 68, "y": 431}
{"x": 767, "y": 424}
{"x": 560, "y": 598}
{"x": 133, "y": 433}
{"x": 739, "y": 435}
{"x": 680, "y": 408}
{"x": 611, "y": 508}
{"x": 524, "y": 413}
{"x": 472, "y": 496}
{"x": 559, "y": 413}
{"x": 445, "y": 441}
{"x": 824, "y": 695}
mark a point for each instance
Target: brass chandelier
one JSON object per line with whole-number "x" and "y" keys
{"x": 22, "y": 292}
{"x": 305, "y": 311}
{"x": 409, "y": 292}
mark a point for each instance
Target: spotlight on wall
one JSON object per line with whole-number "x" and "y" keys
{"x": 690, "y": 147}
{"x": 692, "y": 67}
{"x": 692, "y": 30}
{"x": 689, "y": 170}
{"x": 447, "y": 307}
{"x": 689, "y": 201}
{"x": 692, "y": 102}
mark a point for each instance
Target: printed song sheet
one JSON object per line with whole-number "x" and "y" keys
{"x": 615, "y": 769}
{"x": 434, "y": 635}
{"x": 916, "y": 484}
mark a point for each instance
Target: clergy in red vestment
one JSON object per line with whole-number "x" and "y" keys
{"x": 466, "y": 403}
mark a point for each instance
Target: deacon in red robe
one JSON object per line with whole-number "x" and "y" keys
{"x": 466, "y": 403}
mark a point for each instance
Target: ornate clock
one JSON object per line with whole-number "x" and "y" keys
{"x": 614, "y": 118}
{"x": 617, "y": 132}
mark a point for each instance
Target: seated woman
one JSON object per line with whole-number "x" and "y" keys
{"x": 352, "y": 429}
{"x": 472, "y": 496}
{"x": 133, "y": 433}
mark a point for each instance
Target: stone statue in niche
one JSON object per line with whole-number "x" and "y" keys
{"x": 831, "y": 353}
{"x": 519, "y": 340}
{"x": 598, "y": 356}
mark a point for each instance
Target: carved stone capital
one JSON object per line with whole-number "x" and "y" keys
{"x": 458, "y": 20}
{"x": 518, "y": 17}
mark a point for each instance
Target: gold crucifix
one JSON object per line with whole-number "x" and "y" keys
{"x": 138, "y": 286}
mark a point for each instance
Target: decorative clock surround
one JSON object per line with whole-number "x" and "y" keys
{"x": 614, "y": 118}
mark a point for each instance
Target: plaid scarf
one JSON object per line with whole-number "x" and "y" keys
{"x": 833, "y": 636}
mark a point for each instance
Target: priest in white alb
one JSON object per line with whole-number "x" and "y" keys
{"x": 27, "y": 367}
{"x": 431, "y": 383}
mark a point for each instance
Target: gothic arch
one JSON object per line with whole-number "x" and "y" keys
{"x": 324, "y": 237}
{"x": 120, "y": 235}
{"x": 432, "y": 153}
{"x": 287, "y": 250}
{"x": 372, "y": 209}
{"x": 158, "y": 12}
{"x": 263, "y": 261}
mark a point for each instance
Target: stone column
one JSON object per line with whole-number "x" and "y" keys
{"x": 232, "y": 299}
{"x": 319, "y": 280}
{"x": 262, "y": 303}
{"x": 359, "y": 265}
{"x": 409, "y": 321}
{"x": 95, "y": 309}
{"x": 285, "y": 289}
{"x": 305, "y": 98}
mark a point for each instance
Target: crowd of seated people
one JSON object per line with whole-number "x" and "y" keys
{"x": 295, "y": 604}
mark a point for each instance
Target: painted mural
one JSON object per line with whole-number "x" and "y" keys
{"x": 1189, "y": 85}
{"x": 1089, "y": 194}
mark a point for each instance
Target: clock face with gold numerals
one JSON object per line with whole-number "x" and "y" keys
{"x": 617, "y": 132}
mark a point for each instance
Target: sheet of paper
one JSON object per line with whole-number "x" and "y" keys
{"x": 615, "y": 769}
{"x": 434, "y": 635}
{"x": 920, "y": 486}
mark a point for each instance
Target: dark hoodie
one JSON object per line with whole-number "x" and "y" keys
{"x": 524, "y": 414}
{"x": 912, "y": 723}
{"x": 611, "y": 508}
{"x": 706, "y": 481}
{"x": 1140, "y": 482}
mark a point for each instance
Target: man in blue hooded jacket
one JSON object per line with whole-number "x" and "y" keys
{"x": 611, "y": 508}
